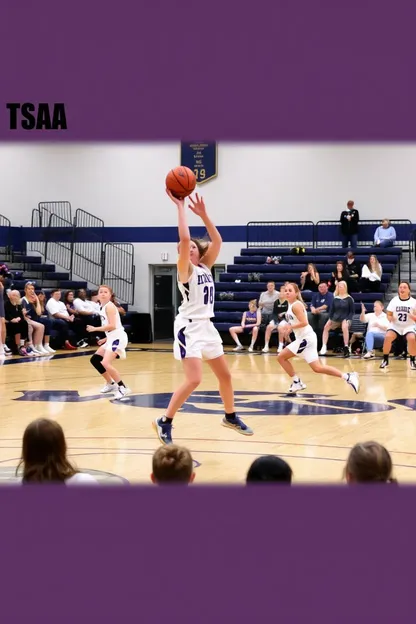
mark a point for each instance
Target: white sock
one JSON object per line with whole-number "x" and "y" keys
{"x": 345, "y": 376}
{"x": 295, "y": 379}
{"x": 280, "y": 345}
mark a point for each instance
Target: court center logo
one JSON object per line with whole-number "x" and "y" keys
{"x": 248, "y": 402}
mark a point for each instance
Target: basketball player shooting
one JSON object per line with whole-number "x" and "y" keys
{"x": 196, "y": 338}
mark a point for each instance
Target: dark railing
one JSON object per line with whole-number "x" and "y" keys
{"x": 119, "y": 270}
{"x": 328, "y": 233}
{"x": 38, "y": 246}
{"x": 5, "y": 240}
{"x": 59, "y": 249}
{"x": 88, "y": 256}
{"x": 280, "y": 233}
{"x": 62, "y": 209}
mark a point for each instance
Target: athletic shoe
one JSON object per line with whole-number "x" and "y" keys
{"x": 323, "y": 350}
{"x": 384, "y": 364}
{"x": 122, "y": 391}
{"x": 41, "y": 349}
{"x": 82, "y": 344}
{"x": 110, "y": 387}
{"x": 250, "y": 349}
{"x": 354, "y": 381}
{"x": 31, "y": 352}
{"x": 265, "y": 349}
{"x": 347, "y": 352}
{"x": 238, "y": 348}
{"x": 368, "y": 355}
{"x": 163, "y": 430}
{"x": 412, "y": 365}
{"x": 22, "y": 351}
{"x": 49, "y": 349}
{"x": 69, "y": 346}
{"x": 7, "y": 351}
{"x": 237, "y": 424}
{"x": 296, "y": 386}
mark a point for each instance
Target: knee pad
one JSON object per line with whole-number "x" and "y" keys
{"x": 96, "y": 362}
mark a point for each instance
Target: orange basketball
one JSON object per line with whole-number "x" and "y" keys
{"x": 180, "y": 181}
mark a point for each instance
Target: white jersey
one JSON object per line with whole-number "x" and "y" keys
{"x": 104, "y": 321}
{"x": 198, "y": 295}
{"x": 402, "y": 308}
{"x": 303, "y": 332}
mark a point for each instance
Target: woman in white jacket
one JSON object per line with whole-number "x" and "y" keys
{"x": 371, "y": 275}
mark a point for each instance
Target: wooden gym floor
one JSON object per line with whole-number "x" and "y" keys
{"x": 313, "y": 431}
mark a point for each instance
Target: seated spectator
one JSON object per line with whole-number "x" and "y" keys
{"x": 250, "y": 324}
{"x": 39, "y": 328}
{"x": 69, "y": 298}
{"x": 371, "y": 275}
{"x": 63, "y": 321}
{"x": 118, "y": 305}
{"x": 269, "y": 469}
{"x": 369, "y": 462}
{"x": 378, "y": 323}
{"x": 385, "y": 235}
{"x": 87, "y": 311}
{"x": 320, "y": 306}
{"x": 2, "y": 321}
{"x": 95, "y": 304}
{"x": 341, "y": 274}
{"x": 309, "y": 279}
{"x": 277, "y": 322}
{"x": 44, "y": 456}
{"x": 266, "y": 302}
{"x": 340, "y": 315}
{"x": 16, "y": 324}
{"x": 354, "y": 272}
{"x": 172, "y": 465}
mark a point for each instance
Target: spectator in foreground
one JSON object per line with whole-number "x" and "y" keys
{"x": 385, "y": 235}
{"x": 340, "y": 315}
{"x": 269, "y": 469}
{"x": 371, "y": 275}
{"x": 250, "y": 324}
{"x": 172, "y": 465}
{"x": 349, "y": 226}
{"x": 44, "y": 456}
{"x": 369, "y": 462}
{"x": 378, "y": 324}
{"x": 39, "y": 328}
{"x": 319, "y": 311}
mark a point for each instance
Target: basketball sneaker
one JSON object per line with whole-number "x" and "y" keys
{"x": 412, "y": 365}
{"x": 237, "y": 424}
{"x": 369, "y": 355}
{"x": 384, "y": 364}
{"x": 265, "y": 349}
{"x": 354, "y": 381}
{"x": 163, "y": 430}
{"x": 296, "y": 386}
{"x": 238, "y": 348}
{"x": 110, "y": 387}
{"x": 122, "y": 391}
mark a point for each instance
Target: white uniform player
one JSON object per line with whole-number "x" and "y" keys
{"x": 402, "y": 316}
{"x": 117, "y": 339}
{"x": 195, "y": 334}
{"x": 402, "y": 323}
{"x": 305, "y": 344}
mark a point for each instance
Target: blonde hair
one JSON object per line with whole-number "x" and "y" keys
{"x": 15, "y": 293}
{"x": 336, "y": 293}
{"x": 377, "y": 264}
{"x": 202, "y": 245}
{"x": 253, "y": 302}
{"x": 297, "y": 291}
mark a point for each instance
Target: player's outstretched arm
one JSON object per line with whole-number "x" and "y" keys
{"x": 184, "y": 269}
{"x": 198, "y": 207}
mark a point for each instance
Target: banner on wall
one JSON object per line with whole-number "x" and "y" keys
{"x": 202, "y": 158}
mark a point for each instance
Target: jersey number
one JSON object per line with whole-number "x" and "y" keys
{"x": 402, "y": 317}
{"x": 208, "y": 294}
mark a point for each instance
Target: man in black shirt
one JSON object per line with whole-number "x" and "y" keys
{"x": 349, "y": 226}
